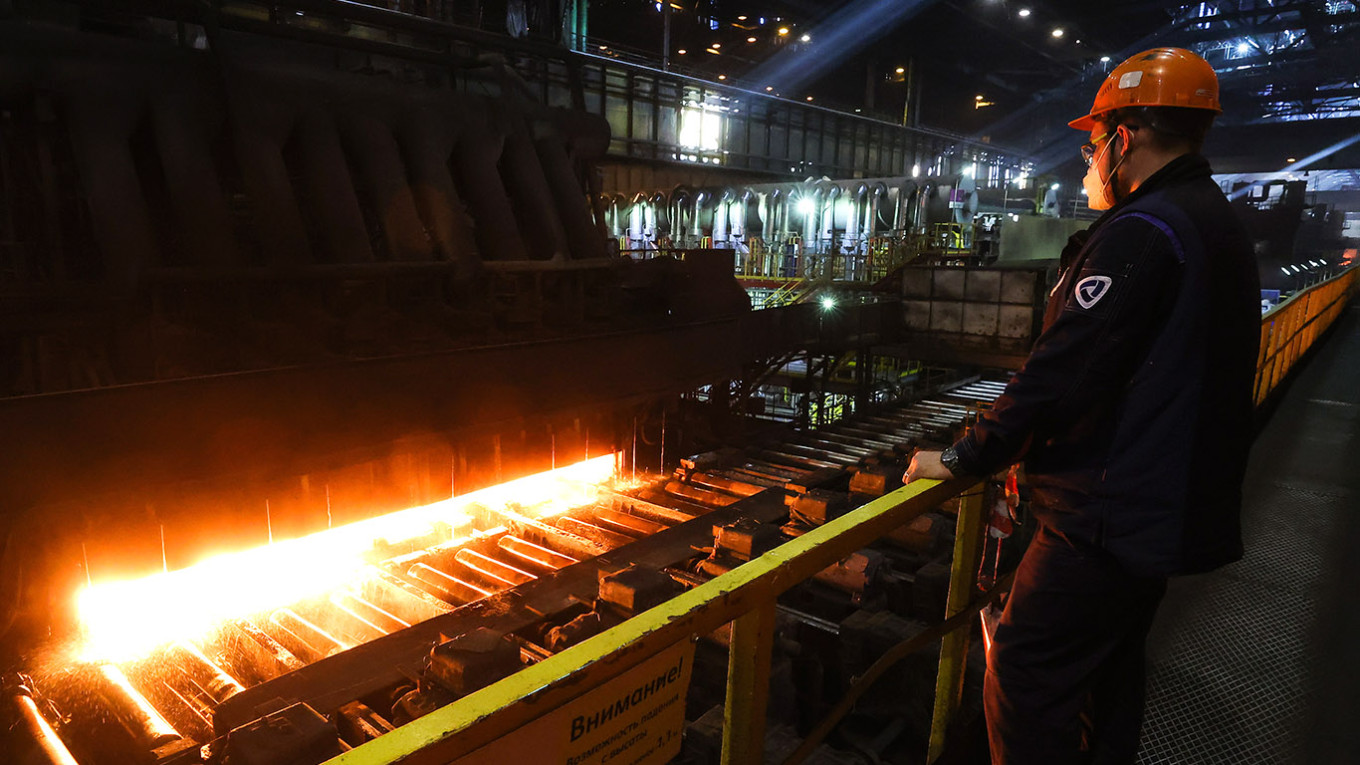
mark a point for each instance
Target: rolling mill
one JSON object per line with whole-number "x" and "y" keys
{"x": 329, "y": 402}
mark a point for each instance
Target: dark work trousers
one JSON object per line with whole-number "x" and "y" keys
{"x": 1065, "y": 676}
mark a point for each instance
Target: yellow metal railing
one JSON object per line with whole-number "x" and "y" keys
{"x": 1290, "y": 329}
{"x": 745, "y": 597}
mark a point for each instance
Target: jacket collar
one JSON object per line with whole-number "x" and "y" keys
{"x": 1186, "y": 167}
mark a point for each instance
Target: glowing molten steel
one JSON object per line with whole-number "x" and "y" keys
{"x": 128, "y": 619}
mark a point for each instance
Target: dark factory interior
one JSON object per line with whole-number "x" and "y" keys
{"x": 615, "y": 381}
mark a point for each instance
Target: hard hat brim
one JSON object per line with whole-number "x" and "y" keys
{"x": 1084, "y": 123}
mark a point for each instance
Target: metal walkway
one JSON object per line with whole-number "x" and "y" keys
{"x": 1256, "y": 662}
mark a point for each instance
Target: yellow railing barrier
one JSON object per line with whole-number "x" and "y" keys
{"x": 954, "y": 647}
{"x": 744, "y": 596}
{"x": 1290, "y": 329}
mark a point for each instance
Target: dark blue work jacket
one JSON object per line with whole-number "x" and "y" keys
{"x": 1134, "y": 410}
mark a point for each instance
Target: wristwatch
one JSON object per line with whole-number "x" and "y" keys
{"x": 950, "y": 459}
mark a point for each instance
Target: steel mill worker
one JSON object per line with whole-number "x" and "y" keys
{"x": 1133, "y": 415}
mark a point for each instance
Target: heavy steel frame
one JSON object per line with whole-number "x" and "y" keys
{"x": 762, "y": 133}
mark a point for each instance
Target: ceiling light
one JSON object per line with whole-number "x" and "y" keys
{"x": 1243, "y": 47}
{"x": 717, "y": 45}
{"x": 750, "y": 39}
{"x": 783, "y": 31}
{"x": 682, "y": 51}
{"x": 769, "y": 88}
{"x": 741, "y": 18}
{"x": 1057, "y": 32}
{"x": 806, "y": 38}
{"x": 1054, "y": 187}
{"x": 1104, "y": 59}
{"x": 722, "y": 76}
{"x": 712, "y": 50}
{"x": 900, "y": 70}
{"x": 1291, "y": 159}
{"x": 915, "y": 170}
{"x": 604, "y": 47}
{"x": 809, "y": 98}
{"x": 1024, "y": 13}
{"x": 978, "y": 97}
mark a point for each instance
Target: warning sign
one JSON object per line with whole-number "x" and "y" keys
{"x": 634, "y": 719}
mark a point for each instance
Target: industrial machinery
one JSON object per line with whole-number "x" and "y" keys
{"x": 299, "y": 650}
{"x": 326, "y": 402}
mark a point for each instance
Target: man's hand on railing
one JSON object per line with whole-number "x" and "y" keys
{"x": 926, "y": 465}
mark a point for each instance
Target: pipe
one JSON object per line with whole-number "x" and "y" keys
{"x": 369, "y": 612}
{"x": 450, "y": 588}
{"x": 636, "y": 221}
{"x": 596, "y": 534}
{"x": 136, "y": 714}
{"x": 488, "y": 566}
{"x": 772, "y": 227}
{"x": 681, "y": 201}
{"x": 827, "y": 228}
{"x": 43, "y": 745}
{"x": 721, "y": 217}
{"x": 855, "y": 220}
{"x": 921, "y": 214}
{"x": 274, "y": 654}
{"x": 308, "y": 635}
{"x": 540, "y": 557}
{"x": 873, "y": 222}
{"x": 205, "y": 673}
{"x": 662, "y": 216}
{"x": 702, "y": 210}
{"x": 810, "y": 213}
{"x": 628, "y": 524}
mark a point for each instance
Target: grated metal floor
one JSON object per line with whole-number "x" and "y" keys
{"x": 1257, "y": 662}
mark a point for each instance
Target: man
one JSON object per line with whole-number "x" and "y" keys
{"x": 1133, "y": 414}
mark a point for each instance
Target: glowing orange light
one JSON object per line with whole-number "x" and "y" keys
{"x": 122, "y": 620}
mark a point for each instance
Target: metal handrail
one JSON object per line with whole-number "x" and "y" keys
{"x": 745, "y": 596}
{"x": 1289, "y": 329}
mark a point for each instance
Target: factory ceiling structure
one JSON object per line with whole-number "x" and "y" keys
{"x": 1011, "y": 71}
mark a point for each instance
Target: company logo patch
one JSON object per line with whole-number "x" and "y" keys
{"x": 1091, "y": 289}
{"x": 1130, "y": 79}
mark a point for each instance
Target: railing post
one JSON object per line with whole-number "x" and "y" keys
{"x": 954, "y": 646}
{"x": 748, "y": 686}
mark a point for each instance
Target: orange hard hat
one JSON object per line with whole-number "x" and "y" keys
{"x": 1157, "y": 77}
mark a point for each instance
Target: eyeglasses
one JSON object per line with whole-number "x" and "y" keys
{"x": 1088, "y": 149}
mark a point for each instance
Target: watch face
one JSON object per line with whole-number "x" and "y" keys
{"x": 950, "y": 459}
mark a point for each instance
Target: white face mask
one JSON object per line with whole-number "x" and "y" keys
{"x": 1100, "y": 193}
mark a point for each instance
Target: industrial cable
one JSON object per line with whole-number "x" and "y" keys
{"x": 887, "y": 660}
